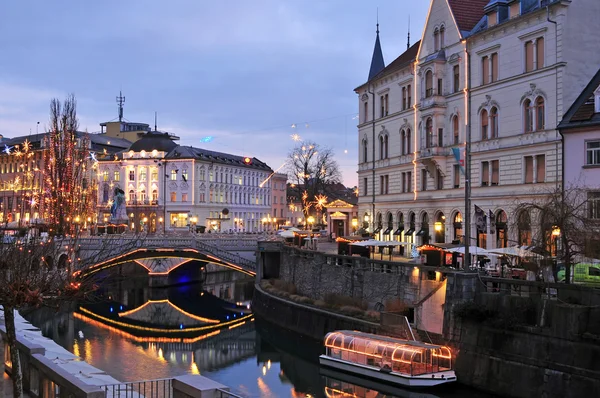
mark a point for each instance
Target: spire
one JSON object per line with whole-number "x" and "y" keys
{"x": 408, "y": 42}
{"x": 377, "y": 63}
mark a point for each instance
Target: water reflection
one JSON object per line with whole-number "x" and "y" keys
{"x": 139, "y": 333}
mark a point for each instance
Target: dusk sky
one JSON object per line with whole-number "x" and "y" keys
{"x": 240, "y": 71}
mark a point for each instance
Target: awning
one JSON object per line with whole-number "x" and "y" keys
{"x": 388, "y": 230}
{"x": 410, "y": 231}
{"x": 399, "y": 231}
{"x": 422, "y": 232}
{"x": 377, "y": 230}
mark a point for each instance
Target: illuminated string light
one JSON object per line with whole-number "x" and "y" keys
{"x": 271, "y": 175}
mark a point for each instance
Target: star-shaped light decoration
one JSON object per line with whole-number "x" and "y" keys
{"x": 26, "y": 146}
{"x": 295, "y": 137}
{"x": 206, "y": 139}
{"x": 7, "y": 149}
{"x": 93, "y": 157}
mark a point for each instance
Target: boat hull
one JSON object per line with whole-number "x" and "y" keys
{"x": 421, "y": 381}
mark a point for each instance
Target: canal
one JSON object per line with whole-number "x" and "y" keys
{"x": 138, "y": 333}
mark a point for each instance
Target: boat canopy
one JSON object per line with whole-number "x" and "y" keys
{"x": 388, "y": 353}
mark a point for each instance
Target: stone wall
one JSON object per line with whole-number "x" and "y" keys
{"x": 533, "y": 344}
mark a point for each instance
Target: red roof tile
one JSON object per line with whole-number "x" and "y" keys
{"x": 467, "y": 12}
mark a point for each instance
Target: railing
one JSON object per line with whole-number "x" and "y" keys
{"x": 220, "y": 393}
{"x": 159, "y": 388}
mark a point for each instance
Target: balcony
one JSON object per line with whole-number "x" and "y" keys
{"x": 434, "y": 158}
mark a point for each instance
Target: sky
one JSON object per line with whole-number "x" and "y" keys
{"x": 242, "y": 72}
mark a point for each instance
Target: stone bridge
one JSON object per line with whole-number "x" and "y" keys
{"x": 161, "y": 255}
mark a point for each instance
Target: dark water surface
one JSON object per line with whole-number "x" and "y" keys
{"x": 252, "y": 357}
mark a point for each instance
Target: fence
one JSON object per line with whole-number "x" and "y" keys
{"x": 159, "y": 388}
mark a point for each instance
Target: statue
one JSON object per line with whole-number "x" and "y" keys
{"x": 118, "y": 210}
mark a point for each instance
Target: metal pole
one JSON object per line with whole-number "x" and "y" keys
{"x": 467, "y": 218}
{"x": 165, "y": 197}
{"x": 373, "y": 177}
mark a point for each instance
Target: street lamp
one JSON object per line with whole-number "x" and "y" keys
{"x": 310, "y": 220}
{"x": 354, "y": 224}
{"x": 437, "y": 226}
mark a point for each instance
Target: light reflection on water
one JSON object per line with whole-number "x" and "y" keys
{"x": 243, "y": 358}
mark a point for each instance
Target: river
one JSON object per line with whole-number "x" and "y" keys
{"x": 255, "y": 359}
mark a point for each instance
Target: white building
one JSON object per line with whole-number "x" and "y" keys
{"x": 169, "y": 187}
{"x": 505, "y": 70}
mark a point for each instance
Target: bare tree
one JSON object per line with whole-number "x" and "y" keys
{"x": 564, "y": 227}
{"x": 311, "y": 170}
{"x": 69, "y": 188}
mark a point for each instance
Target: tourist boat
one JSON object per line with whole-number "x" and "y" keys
{"x": 396, "y": 361}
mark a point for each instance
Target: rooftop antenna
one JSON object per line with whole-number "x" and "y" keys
{"x": 408, "y": 42}
{"x": 120, "y": 101}
{"x": 155, "y": 116}
{"x": 377, "y": 20}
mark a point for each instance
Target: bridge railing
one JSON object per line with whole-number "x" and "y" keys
{"x": 104, "y": 248}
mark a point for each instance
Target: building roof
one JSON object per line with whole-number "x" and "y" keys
{"x": 467, "y": 13}
{"x": 399, "y": 63}
{"x": 377, "y": 63}
{"x": 98, "y": 142}
{"x": 583, "y": 113}
{"x": 153, "y": 140}
{"x": 189, "y": 152}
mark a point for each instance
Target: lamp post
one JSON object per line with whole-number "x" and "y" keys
{"x": 366, "y": 221}
{"x": 310, "y": 220}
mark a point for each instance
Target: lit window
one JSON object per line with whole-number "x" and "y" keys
{"x": 184, "y": 197}
{"x": 184, "y": 175}
{"x": 173, "y": 196}
{"x": 116, "y": 176}
{"x": 104, "y": 174}
{"x": 131, "y": 175}
{"x": 173, "y": 175}
{"x": 143, "y": 174}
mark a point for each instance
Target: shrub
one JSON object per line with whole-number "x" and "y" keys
{"x": 351, "y": 310}
{"x": 335, "y": 300}
{"x": 284, "y": 286}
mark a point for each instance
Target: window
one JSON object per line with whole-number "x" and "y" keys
{"x": 184, "y": 197}
{"x": 383, "y": 147}
{"x": 424, "y": 180}
{"x": 383, "y": 184}
{"x": 428, "y": 84}
{"x": 143, "y": 195}
{"x": 173, "y": 175}
{"x": 409, "y": 181}
{"x": 539, "y": 114}
{"x": 528, "y": 169}
{"x": 403, "y": 182}
{"x": 593, "y": 271}
{"x": 540, "y": 168}
{"x": 409, "y": 93}
{"x": 593, "y": 205}
{"x": 494, "y": 67}
{"x": 442, "y": 38}
{"x": 455, "y": 131}
{"x": 366, "y": 112}
{"x": 384, "y": 105}
{"x": 365, "y": 151}
{"x": 592, "y": 149}
{"x": 440, "y": 87}
{"x": 154, "y": 174}
{"x": 117, "y": 176}
{"x": 131, "y": 195}
{"x": 456, "y": 176}
{"x": 529, "y": 56}
{"x": 105, "y": 194}
{"x": 202, "y": 174}
{"x": 408, "y": 141}
{"x": 456, "y": 74}
{"x": 143, "y": 174}
{"x": 436, "y": 40}
{"x": 528, "y": 116}
{"x": 154, "y": 195}
{"x": 495, "y": 171}
{"x": 494, "y": 122}
{"x": 484, "y": 125}
{"x": 403, "y": 98}
{"x": 429, "y": 133}
{"x": 485, "y": 70}
{"x": 403, "y": 142}
{"x": 439, "y": 179}
{"x": 211, "y": 176}
{"x": 485, "y": 174}
{"x": 539, "y": 47}
{"x": 132, "y": 175}
{"x": 173, "y": 196}
{"x": 184, "y": 175}
{"x": 365, "y": 186}
{"x": 440, "y": 137}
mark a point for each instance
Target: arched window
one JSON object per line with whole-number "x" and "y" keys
{"x": 484, "y": 124}
{"x": 539, "y": 114}
{"x": 366, "y": 112}
{"x": 365, "y": 151}
{"x": 429, "y": 133}
{"x": 455, "y": 131}
{"x": 494, "y": 122}
{"x": 428, "y": 84}
{"x": 408, "y": 141}
{"x": 131, "y": 195}
{"x": 458, "y": 226}
{"x": 442, "y": 38}
{"x": 143, "y": 195}
{"x": 403, "y": 142}
{"x": 501, "y": 229}
{"x": 381, "y": 150}
{"x": 528, "y": 116}
{"x": 385, "y": 147}
{"x": 436, "y": 40}
{"x": 154, "y": 195}
{"x": 524, "y": 225}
